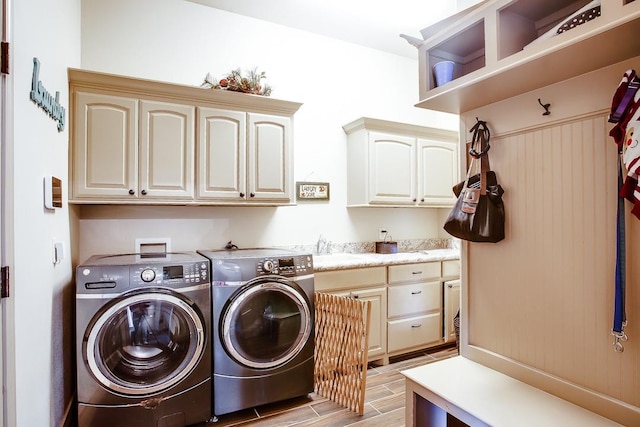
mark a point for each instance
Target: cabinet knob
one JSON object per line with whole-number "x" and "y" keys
{"x": 415, "y": 200}
{"x": 422, "y": 200}
{"x": 131, "y": 192}
{"x": 241, "y": 194}
{"x": 449, "y": 285}
{"x": 252, "y": 194}
{"x": 355, "y": 296}
{"x": 144, "y": 192}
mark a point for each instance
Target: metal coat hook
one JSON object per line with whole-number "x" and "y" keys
{"x": 546, "y": 108}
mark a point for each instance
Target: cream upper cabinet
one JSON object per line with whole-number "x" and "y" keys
{"x": 104, "y": 155}
{"x": 244, "y": 156}
{"x": 389, "y": 184}
{"x": 270, "y": 149}
{"x": 166, "y": 151}
{"x": 144, "y": 147}
{"x": 131, "y": 150}
{"x": 395, "y": 164}
{"x": 222, "y": 154}
{"x": 437, "y": 172}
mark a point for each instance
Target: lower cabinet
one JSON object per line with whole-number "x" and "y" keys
{"x": 410, "y": 307}
{"x": 451, "y": 307}
{"x": 377, "y": 333}
{"x": 368, "y": 284}
{"x": 414, "y": 332}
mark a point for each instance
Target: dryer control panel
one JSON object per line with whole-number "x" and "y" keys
{"x": 170, "y": 275}
{"x": 288, "y": 266}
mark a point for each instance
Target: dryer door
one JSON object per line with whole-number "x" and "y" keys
{"x": 266, "y": 324}
{"x": 144, "y": 343}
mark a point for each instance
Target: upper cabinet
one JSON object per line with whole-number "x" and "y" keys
{"x": 504, "y": 48}
{"x": 142, "y": 142}
{"x": 244, "y": 157}
{"x": 396, "y": 164}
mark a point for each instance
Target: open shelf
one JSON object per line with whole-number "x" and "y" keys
{"x": 504, "y": 48}
{"x": 465, "y": 49}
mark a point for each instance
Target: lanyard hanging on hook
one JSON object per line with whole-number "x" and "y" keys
{"x": 624, "y": 110}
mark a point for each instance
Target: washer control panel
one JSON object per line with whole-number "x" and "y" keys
{"x": 170, "y": 275}
{"x": 296, "y": 265}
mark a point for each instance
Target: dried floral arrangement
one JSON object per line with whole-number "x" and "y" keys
{"x": 237, "y": 82}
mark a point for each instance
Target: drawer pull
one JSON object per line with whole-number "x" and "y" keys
{"x": 417, "y": 326}
{"x": 416, "y": 292}
{"x": 416, "y": 272}
{"x": 355, "y": 296}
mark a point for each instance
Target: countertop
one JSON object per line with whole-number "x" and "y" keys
{"x": 347, "y": 261}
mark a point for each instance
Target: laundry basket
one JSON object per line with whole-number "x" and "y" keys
{"x": 341, "y": 349}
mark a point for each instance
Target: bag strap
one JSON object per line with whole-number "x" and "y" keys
{"x": 480, "y": 142}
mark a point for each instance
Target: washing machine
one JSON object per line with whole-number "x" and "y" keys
{"x": 263, "y": 334}
{"x": 143, "y": 347}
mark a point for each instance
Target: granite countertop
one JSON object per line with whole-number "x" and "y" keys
{"x": 346, "y": 261}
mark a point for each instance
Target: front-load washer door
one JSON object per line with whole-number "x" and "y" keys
{"x": 144, "y": 343}
{"x": 266, "y": 324}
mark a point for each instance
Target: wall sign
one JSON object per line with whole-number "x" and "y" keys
{"x": 44, "y": 99}
{"x": 312, "y": 190}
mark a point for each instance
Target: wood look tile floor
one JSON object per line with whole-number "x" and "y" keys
{"x": 384, "y": 401}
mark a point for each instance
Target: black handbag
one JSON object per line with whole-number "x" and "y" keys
{"x": 478, "y": 214}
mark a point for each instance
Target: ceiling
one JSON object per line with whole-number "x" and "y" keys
{"x": 372, "y": 23}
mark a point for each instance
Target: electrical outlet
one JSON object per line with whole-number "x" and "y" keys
{"x": 382, "y": 233}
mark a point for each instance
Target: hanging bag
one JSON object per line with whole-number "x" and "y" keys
{"x": 478, "y": 215}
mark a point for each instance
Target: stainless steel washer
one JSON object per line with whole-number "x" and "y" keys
{"x": 263, "y": 316}
{"x": 143, "y": 345}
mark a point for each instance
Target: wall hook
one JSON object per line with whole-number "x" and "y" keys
{"x": 546, "y": 108}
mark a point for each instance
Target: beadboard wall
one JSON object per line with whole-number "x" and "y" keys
{"x": 538, "y": 305}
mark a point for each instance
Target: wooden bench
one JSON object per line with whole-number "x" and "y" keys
{"x": 458, "y": 392}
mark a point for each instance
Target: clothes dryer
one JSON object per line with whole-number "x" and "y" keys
{"x": 263, "y": 335}
{"x": 143, "y": 344}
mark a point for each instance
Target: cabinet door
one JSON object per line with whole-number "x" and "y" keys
{"x": 392, "y": 169}
{"x": 105, "y": 147}
{"x": 269, "y": 170}
{"x": 222, "y": 154}
{"x": 166, "y": 150}
{"x": 378, "y": 321}
{"x": 437, "y": 172}
{"x": 451, "y": 307}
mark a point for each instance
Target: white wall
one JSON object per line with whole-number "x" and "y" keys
{"x": 42, "y": 292}
{"x": 337, "y": 82}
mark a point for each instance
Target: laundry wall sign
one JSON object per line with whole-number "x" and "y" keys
{"x": 44, "y": 99}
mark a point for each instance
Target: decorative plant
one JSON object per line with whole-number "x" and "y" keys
{"x": 237, "y": 82}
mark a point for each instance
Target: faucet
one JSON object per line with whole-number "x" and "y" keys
{"x": 322, "y": 246}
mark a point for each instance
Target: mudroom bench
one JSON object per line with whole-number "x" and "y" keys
{"x": 458, "y": 392}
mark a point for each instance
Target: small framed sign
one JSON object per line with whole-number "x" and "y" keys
{"x": 312, "y": 190}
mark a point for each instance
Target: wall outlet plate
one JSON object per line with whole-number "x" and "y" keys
{"x": 382, "y": 233}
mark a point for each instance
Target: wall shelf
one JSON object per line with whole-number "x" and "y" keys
{"x": 499, "y": 52}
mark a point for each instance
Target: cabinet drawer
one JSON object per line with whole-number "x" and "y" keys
{"x": 414, "y": 332}
{"x": 451, "y": 268}
{"x": 414, "y": 272}
{"x": 414, "y": 298}
{"x": 344, "y": 279}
